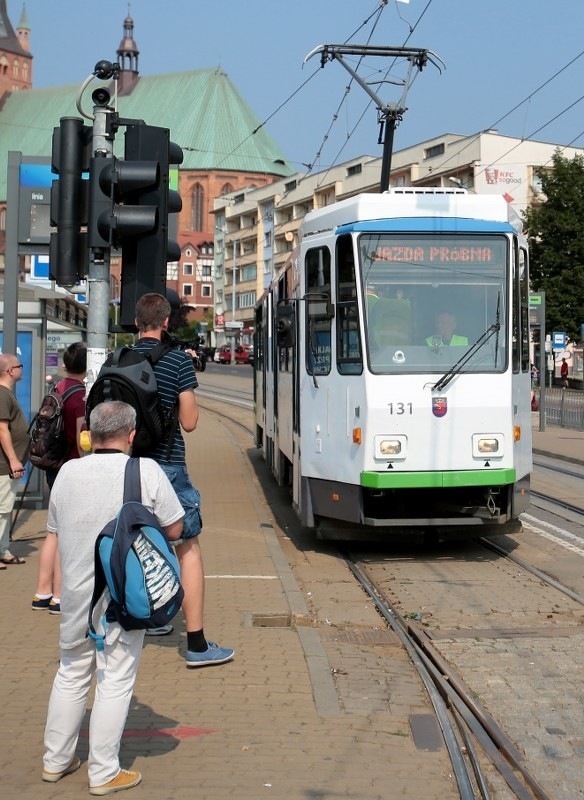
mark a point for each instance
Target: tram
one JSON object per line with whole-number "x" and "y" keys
{"x": 392, "y": 370}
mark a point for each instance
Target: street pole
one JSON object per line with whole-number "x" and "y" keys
{"x": 98, "y": 275}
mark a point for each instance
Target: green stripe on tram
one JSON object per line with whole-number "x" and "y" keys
{"x": 430, "y": 480}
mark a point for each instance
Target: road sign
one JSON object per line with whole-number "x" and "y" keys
{"x": 559, "y": 340}
{"x": 234, "y": 324}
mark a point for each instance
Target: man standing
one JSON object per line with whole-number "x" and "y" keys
{"x": 564, "y": 373}
{"x": 48, "y": 588}
{"x": 176, "y": 381}
{"x": 87, "y": 494}
{"x": 14, "y": 441}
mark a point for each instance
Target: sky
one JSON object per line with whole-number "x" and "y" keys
{"x": 513, "y": 65}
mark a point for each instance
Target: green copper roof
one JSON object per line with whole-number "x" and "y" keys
{"x": 206, "y": 115}
{"x": 23, "y": 24}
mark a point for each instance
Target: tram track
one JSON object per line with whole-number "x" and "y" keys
{"x": 459, "y": 713}
{"x": 466, "y": 724}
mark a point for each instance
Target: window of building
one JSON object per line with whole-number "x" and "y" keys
{"x": 226, "y": 188}
{"x": 187, "y": 269}
{"x": 187, "y": 289}
{"x": 290, "y": 186}
{"x": 268, "y": 239}
{"x": 206, "y": 271}
{"x": 197, "y": 207}
{"x": 355, "y": 169}
{"x": 188, "y": 252}
{"x": 15, "y": 68}
{"x": 2, "y": 219}
{"x": 206, "y": 290}
{"x": 249, "y": 273}
{"x": 247, "y": 299}
{"x": 435, "y": 150}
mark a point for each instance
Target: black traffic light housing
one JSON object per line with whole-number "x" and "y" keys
{"x": 139, "y": 217}
{"x": 70, "y": 159}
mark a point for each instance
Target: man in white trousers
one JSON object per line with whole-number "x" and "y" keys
{"x": 87, "y": 494}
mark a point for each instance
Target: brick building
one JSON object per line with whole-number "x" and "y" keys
{"x": 206, "y": 115}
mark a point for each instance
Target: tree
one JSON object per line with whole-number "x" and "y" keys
{"x": 555, "y": 230}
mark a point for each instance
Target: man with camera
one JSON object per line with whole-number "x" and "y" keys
{"x": 176, "y": 381}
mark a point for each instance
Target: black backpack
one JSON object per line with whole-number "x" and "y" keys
{"x": 128, "y": 375}
{"x": 48, "y": 445}
{"x": 136, "y": 563}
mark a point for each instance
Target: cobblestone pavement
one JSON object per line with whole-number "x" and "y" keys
{"x": 317, "y": 703}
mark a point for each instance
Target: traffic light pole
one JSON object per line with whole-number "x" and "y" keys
{"x": 98, "y": 276}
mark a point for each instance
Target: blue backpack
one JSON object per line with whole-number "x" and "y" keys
{"x": 136, "y": 563}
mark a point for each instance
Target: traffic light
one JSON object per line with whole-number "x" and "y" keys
{"x": 70, "y": 159}
{"x": 138, "y": 216}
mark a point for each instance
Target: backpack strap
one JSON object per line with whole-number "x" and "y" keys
{"x": 71, "y": 390}
{"x": 132, "y": 487}
{"x": 99, "y": 586}
{"x": 156, "y": 353}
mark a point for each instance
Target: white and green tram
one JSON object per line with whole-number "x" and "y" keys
{"x": 392, "y": 370}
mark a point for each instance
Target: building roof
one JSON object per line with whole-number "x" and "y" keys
{"x": 8, "y": 39}
{"x": 206, "y": 115}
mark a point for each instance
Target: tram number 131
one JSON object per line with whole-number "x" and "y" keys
{"x": 400, "y": 408}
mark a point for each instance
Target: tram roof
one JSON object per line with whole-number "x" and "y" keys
{"x": 406, "y": 203}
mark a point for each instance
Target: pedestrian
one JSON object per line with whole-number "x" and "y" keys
{"x": 86, "y": 495}
{"x": 176, "y": 381}
{"x": 48, "y": 587}
{"x": 564, "y": 373}
{"x": 14, "y": 441}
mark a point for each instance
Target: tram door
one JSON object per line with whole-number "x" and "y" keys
{"x": 315, "y": 360}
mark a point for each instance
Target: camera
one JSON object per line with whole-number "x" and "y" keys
{"x": 200, "y": 357}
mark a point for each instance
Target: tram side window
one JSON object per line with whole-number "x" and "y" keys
{"x": 349, "y": 358}
{"x": 258, "y": 338}
{"x": 285, "y": 354}
{"x": 524, "y": 291}
{"x": 318, "y": 322}
{"x": 516, "y": 329}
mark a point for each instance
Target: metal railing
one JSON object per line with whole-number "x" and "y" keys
{"x": 563, "y": 407}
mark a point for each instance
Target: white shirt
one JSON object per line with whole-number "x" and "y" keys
{"x": 86, "y": 495}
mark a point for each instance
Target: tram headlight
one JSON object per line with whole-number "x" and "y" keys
{"x": 488, "y": 445}
{"x": 389, "y": 447}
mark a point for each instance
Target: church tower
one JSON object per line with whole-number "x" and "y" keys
{"x": 15, "y": 57}
{"x": 128, "y": 58}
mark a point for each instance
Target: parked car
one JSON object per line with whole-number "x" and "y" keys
{"x": 243, "y": 354}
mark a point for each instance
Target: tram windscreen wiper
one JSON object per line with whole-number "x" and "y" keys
{"x": 456, "y": 368}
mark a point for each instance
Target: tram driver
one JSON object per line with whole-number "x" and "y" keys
{"x": 445, "y": 326}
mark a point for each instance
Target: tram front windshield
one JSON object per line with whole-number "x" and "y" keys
{"x": 430, "y": 300}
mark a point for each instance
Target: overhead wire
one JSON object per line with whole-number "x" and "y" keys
{"x": 515, "y": 107}
{"x": 378, "y": 9}
{"x": 368, "y": 104}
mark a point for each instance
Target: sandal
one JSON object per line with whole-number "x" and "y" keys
{"x": 12, "y": 560}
